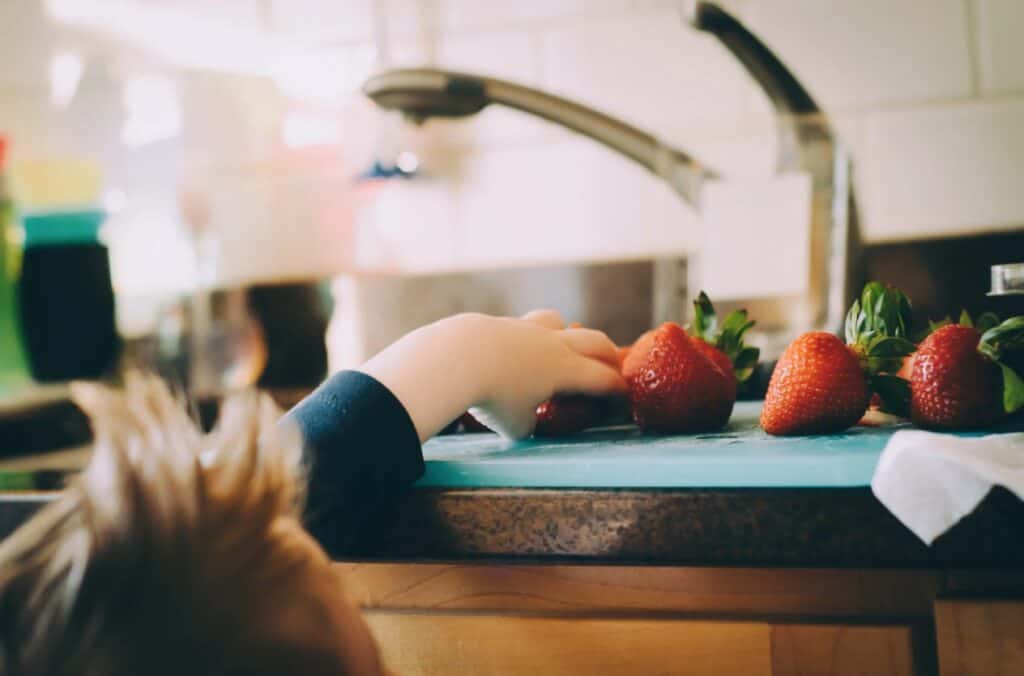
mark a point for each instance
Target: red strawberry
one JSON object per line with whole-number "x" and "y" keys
{"x": 720, "y": 358}
{"x": 818, "y": 386}
{"x": 822, "y": 385}
{"x": 674, "y": 387}
{"x": 568, "y": 414}
{"x": 962, "y": 378}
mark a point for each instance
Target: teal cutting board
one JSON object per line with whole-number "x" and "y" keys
{"x": 741, "y": 455}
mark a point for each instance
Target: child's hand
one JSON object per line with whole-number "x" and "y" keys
{"x": 501, "y": 367}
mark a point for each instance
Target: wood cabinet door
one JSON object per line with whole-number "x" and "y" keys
{"x": 980, "y": 637}
{"x": 482, "y": 644}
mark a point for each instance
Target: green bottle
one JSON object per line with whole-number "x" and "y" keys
{"x": 14, "y": 374}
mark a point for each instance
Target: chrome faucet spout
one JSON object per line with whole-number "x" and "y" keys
{"x": 791, "y": 101}
{"x": 422, "y": 93}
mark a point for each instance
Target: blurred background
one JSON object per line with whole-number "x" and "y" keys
{"x": 240, "y": 170}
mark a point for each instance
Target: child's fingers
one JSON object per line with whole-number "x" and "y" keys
{"x": 593, "y": 344}
{"x": 589, "y": 376}
{"x": 549, "y": 319}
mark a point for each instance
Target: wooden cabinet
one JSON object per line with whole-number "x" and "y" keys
{"x": 842, "y": 650}
{"x": 428, "y": 643}
{"x": 980, "y": 637}
{"x": 537, "y": 619}
{"x": 546, "y": 619}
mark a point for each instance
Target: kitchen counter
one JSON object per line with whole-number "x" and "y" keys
{"x": 843, "y": 527}
{"x": 571, "y": 574}
{"x": 737, "y": 497}
{"x": 707, "y": 527}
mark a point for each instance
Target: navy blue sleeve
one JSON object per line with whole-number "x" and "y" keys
{"x": 361, "y": 448}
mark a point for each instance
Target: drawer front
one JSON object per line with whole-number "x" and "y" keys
{"x": 431, "y": 643}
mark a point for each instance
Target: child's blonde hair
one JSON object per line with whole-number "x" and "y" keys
{"x": 174, "y": 552}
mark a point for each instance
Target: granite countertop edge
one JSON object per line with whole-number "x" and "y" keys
{"x": 802, "y": 527}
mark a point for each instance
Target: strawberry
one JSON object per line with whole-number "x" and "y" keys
{"x": 962, "y": 378}
{"x": 723, "y": 343}
{"x": 822, "y": 385}
{"x": 675, "y": 387}
{"x": 568, "y": 414}
{"x": 818, "y": 386}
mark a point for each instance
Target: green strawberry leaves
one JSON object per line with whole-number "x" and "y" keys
{"x": 705, "y": 321}
{"x": 1013, "y": 390}
{"x": 745, "y": 362}
{"x": 880, "y": 311}
{"x": 984, "y": 322}
{"x": 878, "y": 329}
{"x": 727, "y": 336}
{"x": 884, "y": 354}
{"x": 1006, "y": 336}
{"x": 893, "y": 391}
{"x": 1004, "y": 344}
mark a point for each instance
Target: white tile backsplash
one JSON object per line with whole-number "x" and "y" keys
{"x": 467, "y": 15}
{"x": 649, "y": 69}
{"x": 239, "y": 13}
{"x": 856, "y": 54}
{"x": 409, "y": 227}
{"x": 321, "y": 21}
{"x": 1000, "y": 40}
{"x": 567, "y": 201}
{"x": 945, "y": 171}
{"x": 511, "y": 55}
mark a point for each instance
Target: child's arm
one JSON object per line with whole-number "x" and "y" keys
{"x": 503, "y": 367}
{"x": 362, "y": 429}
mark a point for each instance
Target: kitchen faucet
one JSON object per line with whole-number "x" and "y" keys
{"x": 806, "y": 143}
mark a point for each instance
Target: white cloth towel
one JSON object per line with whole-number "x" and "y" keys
{"x": 930, "y": 481}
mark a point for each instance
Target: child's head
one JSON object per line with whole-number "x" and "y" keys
{"x": 177, "y": 553}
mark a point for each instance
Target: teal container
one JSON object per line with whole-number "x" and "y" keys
{"x": 62, "y": 228}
